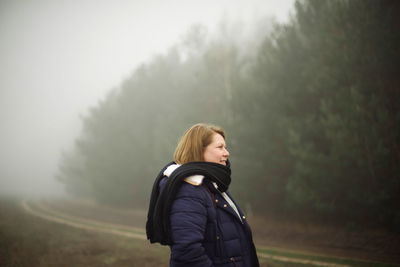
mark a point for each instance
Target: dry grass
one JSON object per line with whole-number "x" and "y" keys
{"x": 376, "y": 245}
{"x": 29, "y": 241}
{"x": 26, "y": 240}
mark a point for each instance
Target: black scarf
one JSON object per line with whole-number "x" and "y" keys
{"x": 158, "y": 225}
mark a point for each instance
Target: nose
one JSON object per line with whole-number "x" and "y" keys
{"x": 226, "y": 152}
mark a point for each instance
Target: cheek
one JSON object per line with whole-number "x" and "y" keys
{"x": 217, "y": 154}
{"x": 206, "y": 156}
{"x": 211, "y": 155}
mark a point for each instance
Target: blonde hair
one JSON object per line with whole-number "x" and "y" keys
{"x": 192, "y": 144}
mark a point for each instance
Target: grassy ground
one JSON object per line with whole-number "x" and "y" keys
{"x": 304, "y": 239}
{"x": 29, "y": 241}
{"x": 26, "y": 240}
{"x": 377, "y": 245}
{"x": 318, "y": 258}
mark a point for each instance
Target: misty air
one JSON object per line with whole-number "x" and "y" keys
{"x": 199, "y": 133}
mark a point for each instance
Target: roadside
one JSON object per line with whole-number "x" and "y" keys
{"x": 49, "y": 211}
{"x": 32, "y": 241}
{"x": 319, "y": 240}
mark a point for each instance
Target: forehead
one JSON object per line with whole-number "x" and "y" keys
{"x": 217, "y": 138}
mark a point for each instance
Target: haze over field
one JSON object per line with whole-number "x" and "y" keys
{"x": 94, "y": 96}
{"x": 58, "y": 58}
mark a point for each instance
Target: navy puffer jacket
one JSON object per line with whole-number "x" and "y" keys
{"x": 206, "y": 231}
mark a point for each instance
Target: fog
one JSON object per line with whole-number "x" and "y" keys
{"x": 58, "y": 58}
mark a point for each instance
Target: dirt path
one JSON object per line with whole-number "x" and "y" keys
{"x": 44, "y": 212}
{"x": 86, "y": 224}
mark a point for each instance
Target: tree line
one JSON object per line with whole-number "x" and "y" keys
{"x": 311, "y": 111}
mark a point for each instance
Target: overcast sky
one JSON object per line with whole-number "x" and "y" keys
{"x": 58, "y": 58}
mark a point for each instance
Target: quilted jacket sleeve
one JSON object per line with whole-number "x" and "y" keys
{"x": 188, "y": 223}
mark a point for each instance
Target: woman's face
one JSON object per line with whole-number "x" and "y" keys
{"x": 216, "y": 150}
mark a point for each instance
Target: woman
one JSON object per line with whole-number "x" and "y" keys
{"x": 192, "y": 212}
